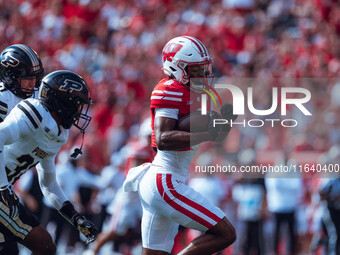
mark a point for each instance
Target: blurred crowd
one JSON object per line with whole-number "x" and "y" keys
{"x": 116, "y": 46}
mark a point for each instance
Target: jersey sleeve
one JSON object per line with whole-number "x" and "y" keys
{"x": 167, "y": 113}
{"x": 161, "y": 99}
{"x": 166, "y": 95}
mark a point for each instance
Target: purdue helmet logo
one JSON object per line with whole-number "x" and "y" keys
{"x": 10, "y": 61}
{"x": 70, "y": 85}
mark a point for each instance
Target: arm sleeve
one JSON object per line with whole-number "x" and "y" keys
{"x": 12, "y": 129}
{"x": 167, "y": 112}
{"x": 49, "y": 185}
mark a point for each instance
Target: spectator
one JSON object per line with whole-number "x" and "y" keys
{"x": 250, "y": 196}
{"x": 331, "y": 193}
{"x": 284, "y": 193}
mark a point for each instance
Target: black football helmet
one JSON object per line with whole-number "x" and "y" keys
{"x": 68, "y": 95}
{"x": 20, "y": 61}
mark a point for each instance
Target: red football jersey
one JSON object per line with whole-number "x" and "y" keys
{"x": 169, "y": 93}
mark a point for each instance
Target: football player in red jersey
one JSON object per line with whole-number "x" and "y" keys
{"x": 167, "y": 201}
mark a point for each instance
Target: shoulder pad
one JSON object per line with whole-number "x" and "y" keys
{"x": 32, "y": 109}
{"x": 169, "y": 94}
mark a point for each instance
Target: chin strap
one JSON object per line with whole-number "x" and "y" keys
{"x": 78, "y": 151}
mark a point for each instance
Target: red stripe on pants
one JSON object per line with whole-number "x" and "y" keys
{"x": 177, "y": 207}
{"x": 189, "y": 202}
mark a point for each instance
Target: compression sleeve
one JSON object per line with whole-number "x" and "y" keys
{"x": 48, "y": 183}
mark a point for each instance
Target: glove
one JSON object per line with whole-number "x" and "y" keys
{"x": 11, "y": 200}
{"x": 227, "y": 112}
{"x": 87, "y": 228}
{"x": 214, "y": 131}
{"x": 84, "y": 226}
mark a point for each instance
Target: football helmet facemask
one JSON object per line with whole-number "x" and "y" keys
{"x": 17, "y": 62}
{"x": 67, "y": 94}
{"x": 185, "y": 58}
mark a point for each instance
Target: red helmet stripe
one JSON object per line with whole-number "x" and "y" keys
{"x": 204, "y": 48}
{"x": 197, "y": 43}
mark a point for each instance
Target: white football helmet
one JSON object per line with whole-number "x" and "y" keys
{"x": 182, "y": 53}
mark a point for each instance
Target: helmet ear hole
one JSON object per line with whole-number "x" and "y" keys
{"x": 186, "y": 69}
{"x": 181, "y": 64}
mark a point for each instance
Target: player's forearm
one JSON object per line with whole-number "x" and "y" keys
{"x": 50, "y": 188}
{"x": 54, "y": 195}
{"x": 176, "y": 140}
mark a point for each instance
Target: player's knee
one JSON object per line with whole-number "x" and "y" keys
{"x": 39, "y": 242}
{"x": 226, "y": 231}
{"x": 230, "y": 235}
{"x": 229, "y": 232}
{"x": 47, "y": 246}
